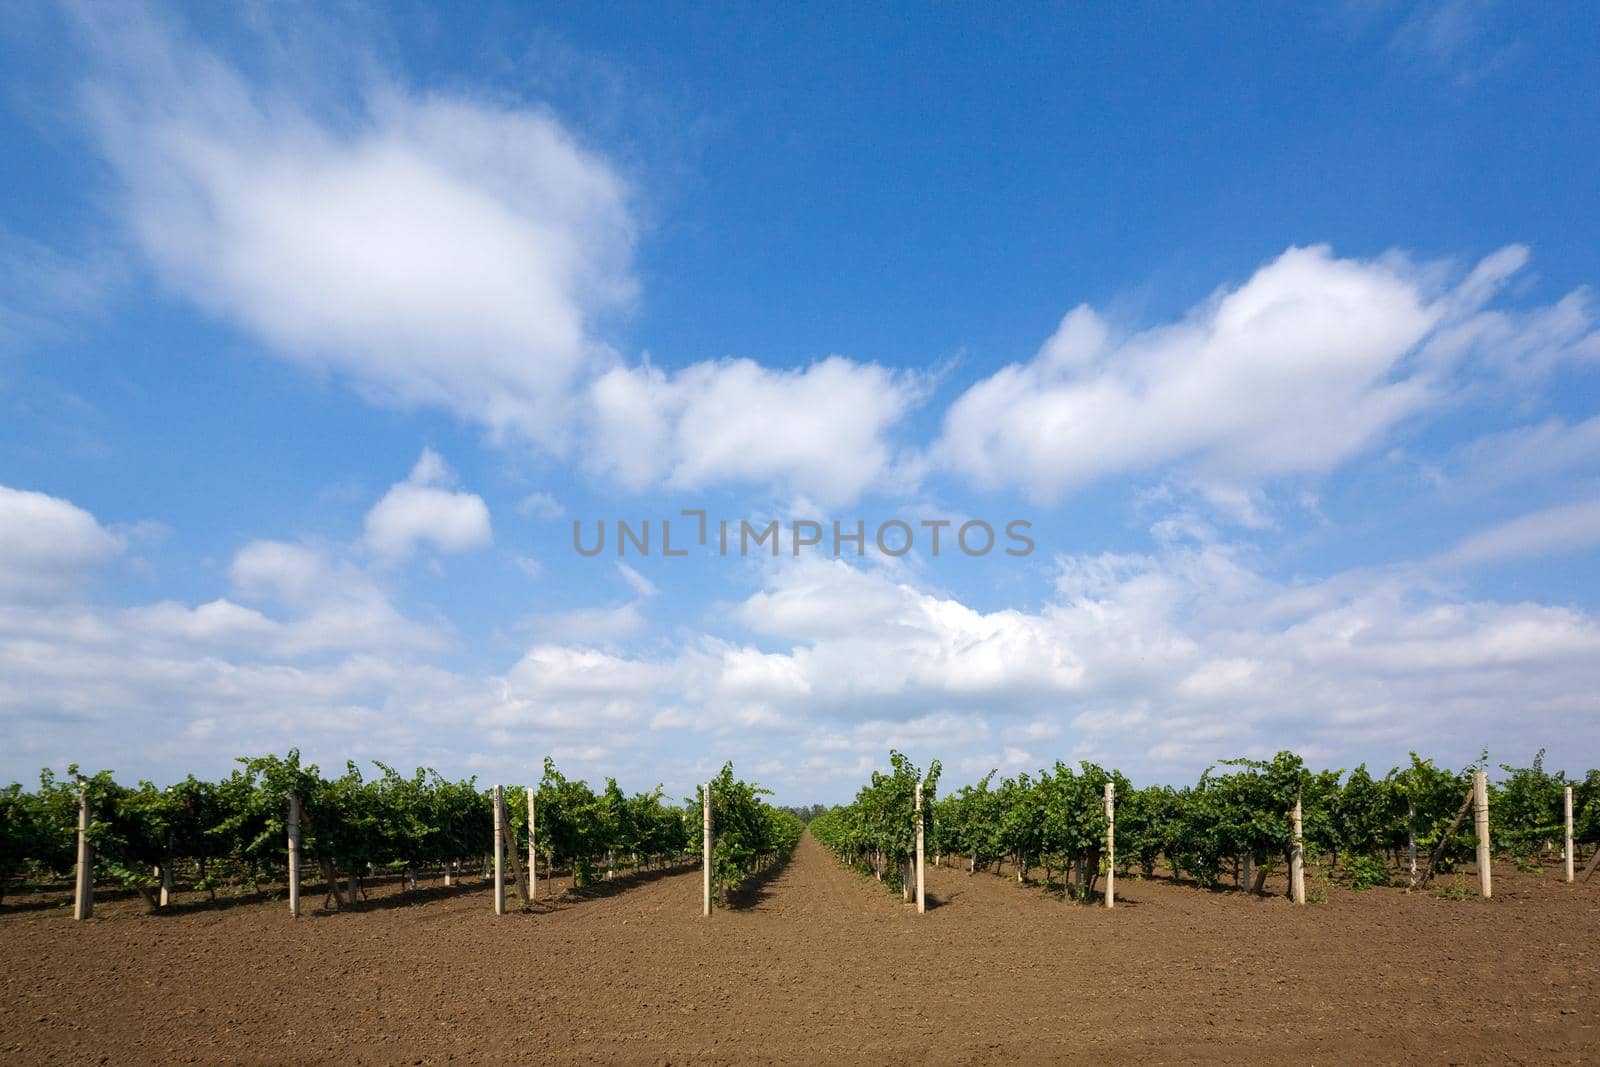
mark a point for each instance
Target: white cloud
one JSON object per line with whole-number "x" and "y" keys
{"x": 418, "y": 511}
{"x": 820, "y": 431}
{"x": 332, "y": 605}
{"x": 1562, "y": 529}
{"x": 1529, "y": 453}
{"x": 1455, "y": 38}
{"x": 640, "y": 584}
{"x": 1308, "y": 363}
{"x": 43, "y": 291}
{"x": 589, "y": 626}
{"x": 431, "y": 469}
{"x": 438, "y": 250}
{"x": 432, "y": 249}
{"x": 555, "y": 673}
{"x": 327, "y": 662}
{"x": 541, "y": 506}
{"x": 48, "y": 545}
{"x": 1158, "y": 663}
{"x": 218, "y": 621}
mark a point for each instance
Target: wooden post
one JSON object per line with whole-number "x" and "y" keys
{"x": 330, "y": 878}
{"x": 1111, "y": 844}
{"x": 513, "y": 855}
{"x": 1480, "y": 826}
{"x": 1297, "y": 855}
{"x": 1566, "y": 848}
{"x": 294, "y": 856}
{"x": 164, "y": 871}
{"x": 533, "y": 855}
{"x": 1444, "y": 841}
{"x": 922, "y": 885}
{"x": 705, "y": 848}
{"x": 83, "y": 888}
{"x": 499, "y": 853}
{"x": 1411, "y": 843}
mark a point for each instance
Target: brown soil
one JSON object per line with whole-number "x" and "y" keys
{"x": 817, "y": 964}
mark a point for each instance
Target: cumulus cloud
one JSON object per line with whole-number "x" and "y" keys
{"x": 215, "y": 622}
{"x": 433, "y": 249}
{"x": 1159, "y": 663}
{"x": 420, "y": 511}
{"x": 330, "y": 604}
{"x": 820, "y": 431}
{"x": 48, "y": 546}
{"x": 445, "y": 251}
{"x": 1308, "y": 363}
{"x": 308, "y": 650}
{"x": 540, "y": 505}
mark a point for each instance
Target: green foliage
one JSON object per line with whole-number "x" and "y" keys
{"x": 238, "y": 827}
{"x": 1236, "y": 814}
{"x": 1431, "y": 797}
{"x": 1364, "y": 872}
{"x": 1242, "y": 814}
{"x": 746, "y": 830}
{"x": 235, "y": 828}
{"x": 806, "y": 812}
{"x": 1586, "y": 809}
{"x": 1527, "y": 811}
{"x": 577, "y": 826}
{"x": 1365, "y": 814}
{"x": 967, "y": 823}
{"x": 878, "y": 831}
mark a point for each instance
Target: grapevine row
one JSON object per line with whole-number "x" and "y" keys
{"x": 1237, "y": 818}
{"x": 233, "y": 832}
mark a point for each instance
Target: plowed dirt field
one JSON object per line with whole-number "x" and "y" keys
{"x": 815, "y": 965}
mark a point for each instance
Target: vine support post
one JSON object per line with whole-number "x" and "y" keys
{"x": 1297, "y": 854}
{"x": 533, "y": 854}
{"x": 294, "y": 855}
{"x": 1111, "y": 845}
{"x": 1411, "y": 843}
{"x": 922, "y": 885}
{"x": 1480, "y": 826}
{"x": 164, "y": 900}
{"x": 83, "y": 888}
{"x": 705, "y": 849}
{"x": 1566, "y": 847}
{"x": 499, "y": 852}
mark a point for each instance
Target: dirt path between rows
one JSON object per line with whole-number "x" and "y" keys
{"x": 817, "y": 963}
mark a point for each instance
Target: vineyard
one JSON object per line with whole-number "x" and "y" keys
{"x": 259, "y": 824}
{"x": 1239, "y": 823}
{"x": 416, "y": 953}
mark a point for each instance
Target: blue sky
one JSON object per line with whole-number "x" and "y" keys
{"x": 319, "y": 330}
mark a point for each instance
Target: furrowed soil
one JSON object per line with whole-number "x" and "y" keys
{"x": 816, "y": 964}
